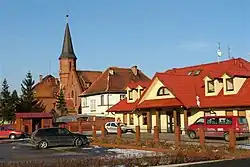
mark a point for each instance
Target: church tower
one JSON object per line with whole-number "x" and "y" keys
{"x": 67, "y": 58}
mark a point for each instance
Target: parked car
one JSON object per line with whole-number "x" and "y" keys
{"x": 111, "y": 127}
{"x": 6, "y": 131}
{"x": 219, "y": 126}
{"x": 48, "y": 137}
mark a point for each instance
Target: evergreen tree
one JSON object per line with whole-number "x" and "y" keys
{"x": 61, "y": 104}
{"x": 28, "y": 103}
{"x": 15, "y": 100}
{"x": 7, "y": 109}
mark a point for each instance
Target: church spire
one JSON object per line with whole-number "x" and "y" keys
{"x": 67, "y": 50}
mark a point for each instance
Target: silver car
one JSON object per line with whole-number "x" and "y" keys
{"x": 111, "y": 127}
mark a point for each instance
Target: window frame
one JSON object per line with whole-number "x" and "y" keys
{"x": 130, "y": 94}
{"x": 229, "y": 80}
{"x": 161, "y": 91}
{"x": 102, "y": 100}
{"x": 85, "y": 102}
{"x": 92, "y": 105}
{"x": 209, "y": 90}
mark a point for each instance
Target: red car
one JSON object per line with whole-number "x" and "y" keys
{"x": 6, "y": 131}
{"x": 218, "y": 126}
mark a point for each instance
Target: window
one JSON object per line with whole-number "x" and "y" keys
{"x": 199, "y": 121}
{"x": 224, "y": 121}
{"x": 102, "y": 100}
{"x": 130, "y": 95}
{"x": 230, "y": 84}
{"x": 242, "y": 113}
{"x": 197, "y": 72}
{"x": 131, "y": 119}
{"x": 92, "y": 105}
{"x": 70, "y": 66}
{"x": 162, "y": 91}
{"x": 229, "y": 113}
{"x": 210, "y": 86}
{"x": 190, "y": 72}
{"x": 125, "y": 118}
{"x": 122, "y": 97}
{"x": 242, "y": 120}
{"x": 62, "y": 131}
{"x": 145, "y": 119}
{"x": 212, "y": 121}
{"x": 113, "y": 125}
{"x": 84, "y": 102}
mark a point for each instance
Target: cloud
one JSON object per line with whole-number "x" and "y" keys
{"x": 193, "y": 45}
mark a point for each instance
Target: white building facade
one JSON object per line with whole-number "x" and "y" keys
{"x": 98, "y": 104}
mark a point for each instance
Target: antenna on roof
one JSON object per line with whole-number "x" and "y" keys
{"x": 67, "y": 16}
{"x": 219, "y": 53}
{"x": 229, "y": 52}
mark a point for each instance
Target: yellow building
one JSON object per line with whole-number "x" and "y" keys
{"x": 180, "y": 96}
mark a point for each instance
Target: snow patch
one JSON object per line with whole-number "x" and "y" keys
{"x": 130, "y": 153}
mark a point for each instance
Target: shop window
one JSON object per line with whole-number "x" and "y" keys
{"x": 131, "y": 119}
{"x": 145, "y": 119}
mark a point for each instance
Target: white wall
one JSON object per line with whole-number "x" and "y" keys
{"x": 109, "y": 101}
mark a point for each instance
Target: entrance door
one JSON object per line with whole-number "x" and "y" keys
{"x": 170, "y": 123}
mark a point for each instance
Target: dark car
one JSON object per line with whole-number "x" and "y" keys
{"x": 48, "y": 137}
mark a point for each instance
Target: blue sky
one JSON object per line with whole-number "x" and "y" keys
{"x": 155, "y": 35}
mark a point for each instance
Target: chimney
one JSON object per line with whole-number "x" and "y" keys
{"x": 111, "y": 71}
{"x": 134, "y": 70}
{"x": 40, "y": 78}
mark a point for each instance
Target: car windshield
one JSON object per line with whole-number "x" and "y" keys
{"x": 242, "y": 120}
{"x": 199, "y": 121}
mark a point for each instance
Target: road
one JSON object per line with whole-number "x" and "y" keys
{"x": 228, "y": 163}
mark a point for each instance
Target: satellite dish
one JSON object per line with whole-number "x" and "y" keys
{"x": 219, "y": 53}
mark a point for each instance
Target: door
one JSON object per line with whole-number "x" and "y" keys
{"x": 50, "y": 135}
{"x": 64, "y": 137}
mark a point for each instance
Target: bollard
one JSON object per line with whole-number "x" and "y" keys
{"x": 201, "y": 136}
{"x": 156, "y": 134}
{"x": 119, "y": 132}
{"x": 94, "y": 131}
{"x": 137, "y": 135}
{"x": 177, "y": 136}
{"x": 103, "y": 131}
{"x": 232, "y": 140}
{"x": 80, "y": 126}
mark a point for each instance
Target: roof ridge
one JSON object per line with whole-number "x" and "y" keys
{"x": 205, "y": 64}
{"x": 88, "y": 71}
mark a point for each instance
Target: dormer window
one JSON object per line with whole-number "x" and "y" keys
{"x": 130, "y": 95}
{"x": 210, "y": 86}
{"x": 162, "y": 91}
{"x": 197, "y": 72}
{"x": 229, "y": 84}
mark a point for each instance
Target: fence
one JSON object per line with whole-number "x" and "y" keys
{"x": 177, "y": 138}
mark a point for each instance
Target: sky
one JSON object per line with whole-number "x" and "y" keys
{"x": 155, "y": 35}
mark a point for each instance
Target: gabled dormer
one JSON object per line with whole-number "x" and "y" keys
{"x": 212, "y": 86}
{"x": 232, "y": 84}
{"x": 132, "y": 95}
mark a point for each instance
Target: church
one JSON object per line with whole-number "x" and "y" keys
{"x": 75, "y": 82}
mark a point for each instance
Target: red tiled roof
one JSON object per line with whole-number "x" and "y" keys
{"x": 116, "y": 82}
{"x": 123, "y": 106}
{"x": 87, "y": 77}
{"x": 143, "y": 84}
{"x": 186, "y": 88}
{"x": 34, "y": 115}
{"x": 170, "y": 102}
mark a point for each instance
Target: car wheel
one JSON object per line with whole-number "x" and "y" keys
{"x": 78, "y": 142}
{"x": 12, "y": 136}
{"x": 192, "y": 135}
{"x": 226, "y": 137}
{"x": 43, "y": 144}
